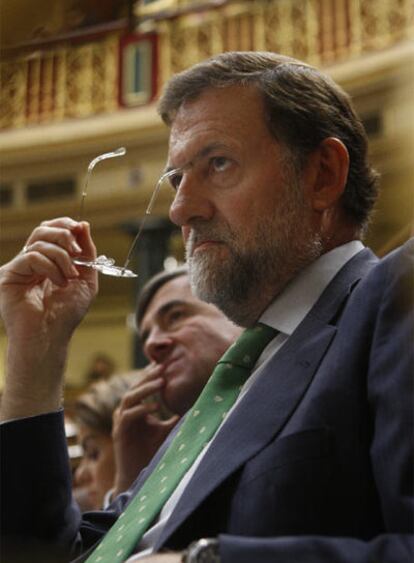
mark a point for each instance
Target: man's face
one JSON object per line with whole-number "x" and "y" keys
{"x": 239, "y": 201}
{"x": 186, "y": 337}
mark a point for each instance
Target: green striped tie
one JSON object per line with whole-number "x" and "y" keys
{"x": 200, "y": 425}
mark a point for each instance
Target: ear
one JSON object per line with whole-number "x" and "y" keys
{"x": 326, "y": 173}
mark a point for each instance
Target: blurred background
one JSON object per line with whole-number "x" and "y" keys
{"x": 79, "y": 78}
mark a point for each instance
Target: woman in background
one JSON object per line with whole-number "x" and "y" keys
{"x": 112, "y": 454}
{"x": 94, "y": 409}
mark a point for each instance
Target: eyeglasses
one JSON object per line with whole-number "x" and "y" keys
{"x": 209, "y": 165}
{"x": 102, "y": 263}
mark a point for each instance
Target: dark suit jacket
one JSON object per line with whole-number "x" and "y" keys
{"x": 315, "y": 464}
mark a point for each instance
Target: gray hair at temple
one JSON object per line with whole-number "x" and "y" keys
{"x": 152, "y": 286}
{"x": 302, "y": 108}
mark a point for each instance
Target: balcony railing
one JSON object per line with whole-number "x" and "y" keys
{"x": 78, "y": 78}
{"x": 60, "y": 81}
{"x": 321, "y": 32}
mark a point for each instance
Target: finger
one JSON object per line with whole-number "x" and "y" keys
{"x": 84, "y": 239}
{"x": 36, "y": 266}
{"x": 165, "y": 425}
{"x": 150, "y": 372}
{"x": 139, "y": 394}
{"x": 170, "y": 423}
{"x": 59, "y": 235}
{"x": 136, "y": 395}
{"x": 115, "y": 416}
{"x": 133, "y": 415}
{"x": 56, "y": 254}
{"x": 65, "y": 222}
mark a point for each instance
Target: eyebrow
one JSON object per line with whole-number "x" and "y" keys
{"x": 202, "y": 153}
{"x": 161, "y": 312}
{"x": 88, "y": 441}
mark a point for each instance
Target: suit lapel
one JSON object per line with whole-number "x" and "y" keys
{"x": 245, "y": 433}
{"x": 279, "y": 390}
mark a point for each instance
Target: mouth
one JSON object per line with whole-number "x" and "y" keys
{"x": 170, "y": 368}
{"x": 204, "y": 245}
{"x": 201, "y": 238}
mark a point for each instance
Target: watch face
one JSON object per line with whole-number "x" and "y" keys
{"x": 203, "y": 551}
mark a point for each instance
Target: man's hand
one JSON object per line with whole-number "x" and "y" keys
{"x": 43, "y": 297}
{"x": 137, "y": 429}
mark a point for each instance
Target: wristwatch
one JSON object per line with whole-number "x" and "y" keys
{"x": 205, "y": 550}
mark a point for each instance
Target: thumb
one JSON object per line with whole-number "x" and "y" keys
{"x": 84, "y": 239}
{"x": 115, "y": 421}
{"x": 170, "y": 423}
{"x": 116, "y": 415}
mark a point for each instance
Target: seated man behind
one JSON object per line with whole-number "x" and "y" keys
{"x": 183, "y": 337}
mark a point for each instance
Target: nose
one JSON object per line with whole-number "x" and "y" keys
{"x": 192, "y": 200}
{"x": 82, "y": 476}
{"x": 158, "y": 345}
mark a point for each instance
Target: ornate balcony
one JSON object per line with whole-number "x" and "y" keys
{"x": 318, "y": 31}
{"x": 88, "y": 73}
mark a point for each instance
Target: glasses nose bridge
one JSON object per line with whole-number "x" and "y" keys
{"x": 180, "y": 171}
{"x": 191, "y": 200}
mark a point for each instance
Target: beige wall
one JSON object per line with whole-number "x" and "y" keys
{"x": 111, "y": 338}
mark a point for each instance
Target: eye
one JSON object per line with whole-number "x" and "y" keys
{"x": 175, "y": 317}
{"x": 175, "y": 181}
{"x": 92, "y": 454}
{"x": 220, "y": 163}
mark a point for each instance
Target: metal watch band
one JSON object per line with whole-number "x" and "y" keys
{"x": 205, "y": 550}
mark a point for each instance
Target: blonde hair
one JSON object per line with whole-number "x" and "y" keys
{"x": 95, "y": 407}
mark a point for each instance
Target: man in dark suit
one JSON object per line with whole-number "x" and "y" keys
{"x": 182, "y": 337}
{"x": 314, "y": 460}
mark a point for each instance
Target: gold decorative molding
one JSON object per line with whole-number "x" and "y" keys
{"x": 318, "y": 31}
{"x": 13, "y": 76}
{"x": 74, "y": 79}
{"x": 60, "y": 82}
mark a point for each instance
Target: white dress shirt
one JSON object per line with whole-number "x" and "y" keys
{"x": 284, "y": 314}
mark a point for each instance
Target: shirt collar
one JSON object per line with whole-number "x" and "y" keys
{"x": 289, "y": 308}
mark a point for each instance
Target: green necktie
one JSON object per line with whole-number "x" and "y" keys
{"x": 201, "y": 423}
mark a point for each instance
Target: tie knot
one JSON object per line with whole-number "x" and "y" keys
{"x": 248, "y": 347}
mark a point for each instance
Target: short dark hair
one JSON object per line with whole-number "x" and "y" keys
{"x": 151, "y": 288}
{"x": 302, "y": 108}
